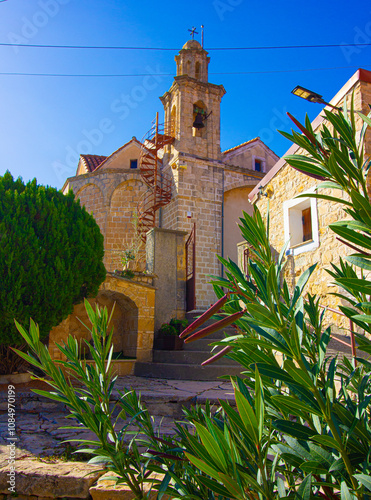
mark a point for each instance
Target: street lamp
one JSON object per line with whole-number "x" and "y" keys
{"x": 311, "y": 96}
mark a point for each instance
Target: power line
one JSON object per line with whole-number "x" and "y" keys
{"x": 172, "y": 74}
{"x": 98, "y": 47}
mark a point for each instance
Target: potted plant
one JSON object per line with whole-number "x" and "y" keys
{"x": 168, "y": 335}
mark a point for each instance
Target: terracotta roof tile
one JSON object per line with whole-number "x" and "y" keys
{"x": 92, "y": 161}
{"x": 240, "y": 145}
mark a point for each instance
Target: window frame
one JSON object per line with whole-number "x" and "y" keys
{"x": 305, "y": 202}
{"x": 262, "y": 163}
{"x": 131, "y": 161}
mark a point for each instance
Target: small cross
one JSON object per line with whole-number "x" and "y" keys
{"x": 193, "y": 32}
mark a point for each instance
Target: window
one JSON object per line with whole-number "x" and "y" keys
{"x": 301, "y": 224}
{"x": 133, "y": 163}
{"x": 258, "y": 164}
{"x": 306, "y": 219}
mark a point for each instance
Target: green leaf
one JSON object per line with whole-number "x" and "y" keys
{"x": 345, "y": 493}
{"x": 273, "y": 372}
{"x": 326, "y": 441}
{"x": 51, "y": 395}
{"x": 293, "y": 404}
{"x": 361, "y": 262}
{"x": 305, "y": 488}
{"x": 293, "y": 429}
{"x": 213, "y": 486}
{"x": 305, "y": 164}
{"x": 163, "y": 487}
{"x": 362, "y": 317}
{"x": 232, "y": 486}
{"x": 364, "y": 479}
{"x": 204, "y": 467}
{"x": 259, "y": 402}
{"x": 314, "y": 467}
{"x": 28, "y": 358}
{"x": 330, "y": 185}
{"x": 299, "y": 375}
{"x": 325, "y": 197}
{"x": 358, "y": 285}
{"x": 350, "y": 235}
{"x": 247, "y": 415}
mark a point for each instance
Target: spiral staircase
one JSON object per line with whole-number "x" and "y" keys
{"x": 158, "y": 193}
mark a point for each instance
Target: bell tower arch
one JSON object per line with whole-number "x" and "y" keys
{"x": 197, "y": 103}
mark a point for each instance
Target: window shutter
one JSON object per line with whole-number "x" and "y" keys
{"x": 307, "y": 224}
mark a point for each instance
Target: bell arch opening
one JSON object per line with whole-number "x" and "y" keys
{"x": 199, "y": 118}
{"x": 188, "y": 68}
{"x": 198, "y": 70}
{"x": 173, "y": 120}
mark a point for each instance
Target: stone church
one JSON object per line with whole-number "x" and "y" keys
{"x": 185, "y": 196}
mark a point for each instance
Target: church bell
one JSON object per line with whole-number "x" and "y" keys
{"x": 199, "y": 121}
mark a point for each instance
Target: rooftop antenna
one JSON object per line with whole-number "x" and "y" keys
{"x": 202, "y": 35}
{"x": 193, "y": 32}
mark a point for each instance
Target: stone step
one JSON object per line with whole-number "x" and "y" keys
{"x": 184, "y": 371}
{"x": 202, "y": 344}
{"x": 189, "y": 357}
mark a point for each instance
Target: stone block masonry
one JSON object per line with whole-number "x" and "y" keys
{"x": 198, "y": 194}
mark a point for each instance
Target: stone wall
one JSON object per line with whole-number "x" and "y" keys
{"x": 166, "y": 261}
{"x": 111, "y": 196}
{"x": 198, "y": 197}
{"x": 200, "y": 190}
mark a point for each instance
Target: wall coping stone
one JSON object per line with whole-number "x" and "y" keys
{"x": 131, "y": 281}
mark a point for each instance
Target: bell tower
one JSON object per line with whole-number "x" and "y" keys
{"x": 192, "y": 105}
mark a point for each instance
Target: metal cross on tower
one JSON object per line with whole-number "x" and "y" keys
{"x": 193, "y": 32}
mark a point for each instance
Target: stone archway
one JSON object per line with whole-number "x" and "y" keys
{"x": 124, "y": 322}
{"x": 133, "y": 319}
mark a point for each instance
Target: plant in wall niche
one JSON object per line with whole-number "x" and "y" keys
{"x": 134, "y": 252}
{"x": 127, "y": 257}
{"x": 133, "y": 256}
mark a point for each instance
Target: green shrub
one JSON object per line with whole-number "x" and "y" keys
{"x": 50, "y": 256}
{"x": 174, "y": 327}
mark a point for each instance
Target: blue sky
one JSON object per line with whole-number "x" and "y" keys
{"x": 45, "y": 121}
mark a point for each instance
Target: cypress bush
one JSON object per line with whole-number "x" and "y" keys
{"x": 51, "y": 252}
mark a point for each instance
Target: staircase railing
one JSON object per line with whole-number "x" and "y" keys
{"x": 159, "y": 184}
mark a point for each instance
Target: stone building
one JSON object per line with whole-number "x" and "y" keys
{"x": 190, "y": 224}
{"x": 291, "y": 218}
